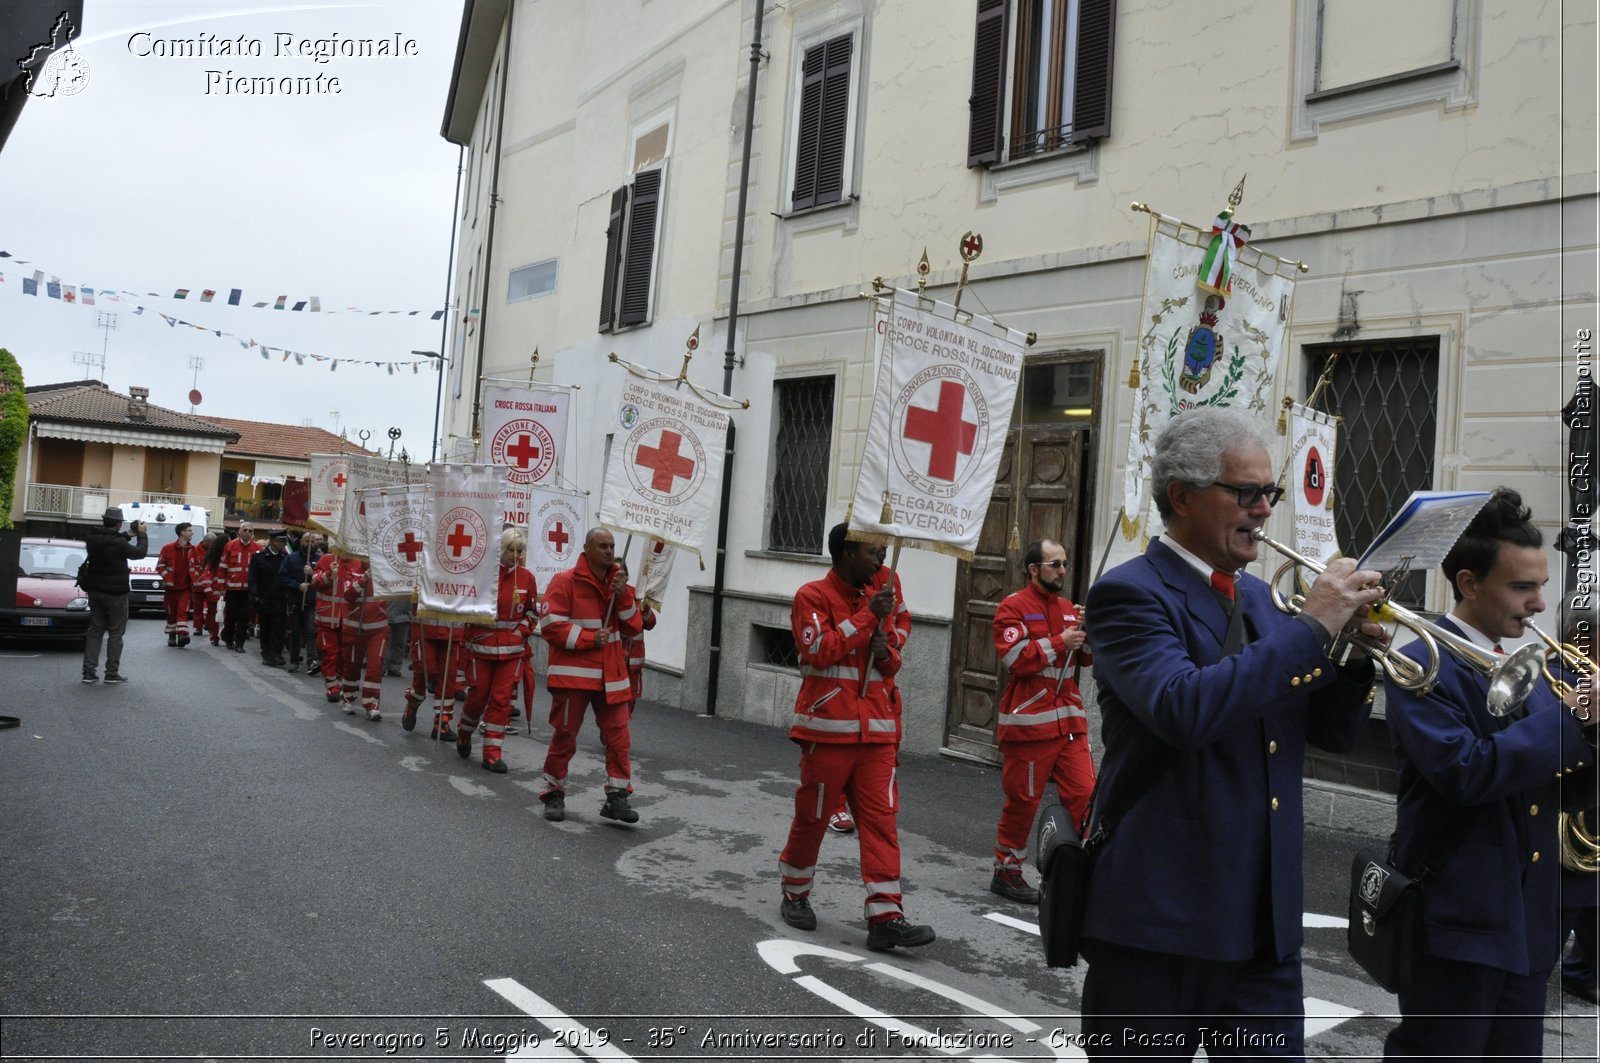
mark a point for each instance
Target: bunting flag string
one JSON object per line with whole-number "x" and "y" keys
{"x": 83, "y": 295}
{"x": 217, "y": 296}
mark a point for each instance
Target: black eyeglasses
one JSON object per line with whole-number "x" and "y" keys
{"x": 1250, "y": 494}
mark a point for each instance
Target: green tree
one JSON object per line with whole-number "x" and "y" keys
{"x": 13, "y": 430}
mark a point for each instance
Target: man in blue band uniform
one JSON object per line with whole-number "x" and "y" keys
{"x": 1487, "y": 788}
{"x": 1194, "y": 908}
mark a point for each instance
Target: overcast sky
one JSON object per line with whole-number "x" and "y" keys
{"x": 153, "y": 178}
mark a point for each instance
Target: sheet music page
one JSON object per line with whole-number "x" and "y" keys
{"x": 1424, "y": 530}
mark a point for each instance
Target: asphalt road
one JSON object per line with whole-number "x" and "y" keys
{"x": 212, "y": 862}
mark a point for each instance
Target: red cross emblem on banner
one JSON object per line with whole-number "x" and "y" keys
{"x": 459, "y": 541}
{"x": 523, "y": 451}
{"x": 666, "y": 463}
{"x": 410, "y": 546}
{"x": 339, "y": 480}
{"x": 944, "y": 429}
{"x": 559, "y": 538}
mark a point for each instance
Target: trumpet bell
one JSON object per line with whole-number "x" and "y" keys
{"x": 1514, "y": 678}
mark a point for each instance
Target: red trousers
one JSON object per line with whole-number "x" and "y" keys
{"x": 206, "y": 614}
{"x": 436, "y": 665}
{"x": 1023, "y": 773}
{"x": 489, "y": 700}
{"x": 566, "y": 716}
{"x": 330, "y": 655}
{"x": 864, "y": 772}
{"x": 363, "y": 663}
{"x": 177, "y": 603}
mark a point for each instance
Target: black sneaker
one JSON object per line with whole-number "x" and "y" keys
{"x": 172, "y": 640}
{"x": 116, "y": 677}
{"x": 555, "y": 806}
{"x": 91, "y": 679}
{"x": 1011, "y": 885}
{"x": 796, "y": 911}
{"x": 892, "y": 932}
{"x": 617, "y": 808}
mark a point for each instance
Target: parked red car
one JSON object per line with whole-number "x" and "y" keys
{"x": 49, "y": 602}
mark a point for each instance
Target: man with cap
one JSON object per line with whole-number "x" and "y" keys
{"x": 175, "y": 567}
{"x": 105, "y": 582}
{"x": 267, "y": 598}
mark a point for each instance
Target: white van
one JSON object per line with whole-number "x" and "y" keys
{"x": 161, "y": 520}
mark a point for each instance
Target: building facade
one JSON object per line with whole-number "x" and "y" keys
{"x": 1437, "y": 178}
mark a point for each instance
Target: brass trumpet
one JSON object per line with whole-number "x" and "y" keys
{"x": 1512, "y": 677}
{"x": 1570, "y": 657}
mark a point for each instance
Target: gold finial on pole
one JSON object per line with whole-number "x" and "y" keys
{"x": 922, "y": 271}
{"x": 689, "y": 347}
{"x": 533, "y": 364}
{"x": 1235, "y": 198}
{"x": 971, "y": 247}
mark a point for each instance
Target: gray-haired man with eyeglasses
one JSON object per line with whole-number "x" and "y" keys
{"x": 1208, "y": 696}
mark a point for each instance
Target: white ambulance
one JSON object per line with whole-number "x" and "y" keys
{"x": 161, "y": 520}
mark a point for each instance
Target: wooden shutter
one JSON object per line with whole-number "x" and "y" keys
{"x": 1091, "y": 87}
{"x": 608, "y": 281}
{"x": 805, "y": 156}
{"x": 641, "y": 248}
{"x": 835, "y": 124}
{"x": 987, "y": 102}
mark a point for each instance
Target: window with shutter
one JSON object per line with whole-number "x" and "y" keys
{"x": 1041, "y": 77}
{"x": 824, "y": 123}
{"x": 628, "y": 285}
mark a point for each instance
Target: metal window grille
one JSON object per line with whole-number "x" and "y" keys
{"x": 774, "y": 646}
{"x": 1388, "y": 396}
{"x": 800, "y": 462}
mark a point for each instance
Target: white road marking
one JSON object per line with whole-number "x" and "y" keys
{"x": 1324, "y": 1015}
{"x": 471, "y": 789}
{"x": 365, "y": 736}
{"x": 1312, "y": 919}
{"x": 572, "y": 1031}
{"x": 1020, "y": 924}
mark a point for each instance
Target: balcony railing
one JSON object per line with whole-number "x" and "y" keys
{"x": 64, "y": 502}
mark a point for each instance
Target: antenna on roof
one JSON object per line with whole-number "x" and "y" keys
{"x": 90, "y": 361}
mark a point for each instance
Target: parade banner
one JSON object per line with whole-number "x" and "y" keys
{"x": 1211, "y": 330}
{"x": 362, "y": 472}
{"x": 329, "y": 475}
{"x": 556, "y": 526}
{"x": 525, "y": 429}
{"x": 1312, "y": 436}
{"x": 460, "y": 577}
{"x": 655, "y": 571}
{"x": 397, "y": 533}
{"x": 947, "y": 382}
{"x": 666, "y": 464}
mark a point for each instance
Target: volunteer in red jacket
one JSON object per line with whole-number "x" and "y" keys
{"x": 634, "y": 647}
{"x": 330, "y": 613}
{"x": 1043, "y": 732}
{"x": 209, "y": 581}
{"x": 847, "y": 739}
{"x": 587, "y": 612}
{"x": 437, "y": 653}
{"x": 365, "y": 639}
{"x": 175, "y": 566}
{"x": 499, "y": 654}
{"x": 236, "y": 585}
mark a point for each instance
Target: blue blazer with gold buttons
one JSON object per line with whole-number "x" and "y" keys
{"x": 1208, "y": 860}
{"x": 1494, "y": 784}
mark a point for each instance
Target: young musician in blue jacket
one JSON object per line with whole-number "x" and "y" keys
{"x": 1194, "y": 908}
{"x": 1491, "y": 787}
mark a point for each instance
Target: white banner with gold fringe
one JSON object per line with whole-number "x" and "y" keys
{"x": 1312, "y": 438}
{"x": 460, "y": 577}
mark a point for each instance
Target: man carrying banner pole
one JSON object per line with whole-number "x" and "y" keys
{"x": 586, "y": 612}
{"x": 498, "y": 654}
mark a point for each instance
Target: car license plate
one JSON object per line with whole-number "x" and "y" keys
{"x": 36, "y": 621}
{"x": 154, "y": 599}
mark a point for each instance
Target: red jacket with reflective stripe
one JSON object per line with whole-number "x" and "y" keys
{"x": 1040, "y": 700}
{"x": 200, "y": 575}
{"x": 514, "y": 617}
{"x": 362, "y": 611}
{"x": 174, "y": 568}
{"x": 573, "y": 612}
{"x": 833, "y": 633}
{"x": 331, "y": 608}
{"x": 236, "y": 563}
{"x": 635, "y": 643}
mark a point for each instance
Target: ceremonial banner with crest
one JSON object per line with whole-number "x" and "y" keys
{"x": 1211, "y": 328}
{"x": 460, "y": 576}
{"x": 396, "y": 534}
{"x": 360, "y": 474}
{"x": 524, "y": 429}
{"x": 666, "y": 464}
{"x": 557, "y": 521}
{"x": 1312, "y": 436}
{"x": 940, "y": 412}
{"x": 333, "y": 479}
{"x": 655, "y": 571}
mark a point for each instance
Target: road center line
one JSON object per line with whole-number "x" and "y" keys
{"x": 535, "y": 1006}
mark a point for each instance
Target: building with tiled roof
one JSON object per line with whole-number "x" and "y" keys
{"x": 258, "y": 465}
{"x": 90, "y": 447}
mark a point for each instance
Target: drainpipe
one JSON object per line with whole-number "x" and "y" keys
{"x": 488, "y": 242}
{"x": 729, "y": 360}
{"x": 444, "y": 326}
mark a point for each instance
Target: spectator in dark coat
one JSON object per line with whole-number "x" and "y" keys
{"x": 267, "y": 599}
{"x": 105, "y": 582}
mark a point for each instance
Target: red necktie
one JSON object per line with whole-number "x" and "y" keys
{"x": 1499, "y": 648}
{"x": 1222, "y": 583}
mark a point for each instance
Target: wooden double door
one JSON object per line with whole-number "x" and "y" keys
{"x": 1044, "y": 491}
